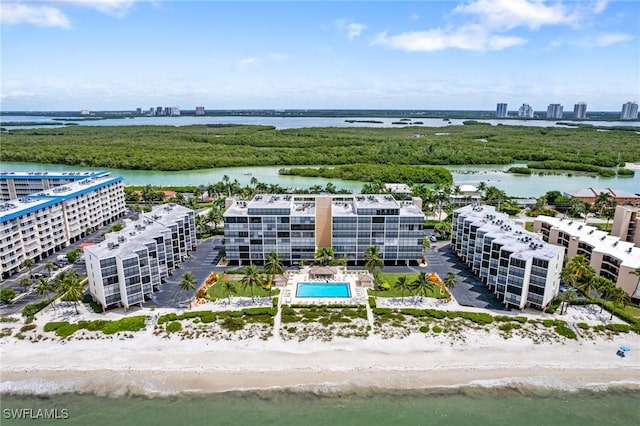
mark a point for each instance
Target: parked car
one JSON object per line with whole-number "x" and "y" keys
{"x": 37, "y": 275}
{"x": 433, "y": 238}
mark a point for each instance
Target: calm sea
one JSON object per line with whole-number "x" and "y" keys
{"x": 478, "y": 406}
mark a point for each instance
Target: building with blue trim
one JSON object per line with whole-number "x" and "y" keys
{"x": 37, "y": 225}
{"x": 20, "y": 184}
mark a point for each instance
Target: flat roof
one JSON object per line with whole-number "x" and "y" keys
{"x": 55, "y": 195}
{"x": 601, "y": 241}
{"x": 53, "y": 174}
{"x": 375, "y": 201}
{"x": 513, "y": 237}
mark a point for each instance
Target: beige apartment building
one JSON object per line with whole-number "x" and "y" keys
{"x": 626, "y": 224}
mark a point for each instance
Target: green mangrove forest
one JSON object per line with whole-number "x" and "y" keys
{"x": 209, "y": 146}
{"x": 377, "y": 172}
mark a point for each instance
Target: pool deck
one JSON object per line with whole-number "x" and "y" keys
{"x": 353, "y": 278}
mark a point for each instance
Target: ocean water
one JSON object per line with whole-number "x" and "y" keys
{"x": 519, "y": 405}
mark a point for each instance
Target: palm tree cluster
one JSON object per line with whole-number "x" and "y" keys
{"x": 422, "y": 285}
{"x": 579, "y": 273}
{"x": 67, "y": 286}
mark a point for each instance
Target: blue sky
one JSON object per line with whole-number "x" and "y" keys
{"x": 120, "y": 54}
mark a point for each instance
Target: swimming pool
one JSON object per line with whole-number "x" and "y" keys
{"x": 330, "y": 289}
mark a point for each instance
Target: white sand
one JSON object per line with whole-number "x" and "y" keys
{"x": 148, "y": 363}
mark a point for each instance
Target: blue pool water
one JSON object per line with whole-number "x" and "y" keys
{"x": 330, "y": 289}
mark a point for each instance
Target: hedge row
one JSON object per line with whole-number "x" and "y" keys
{"x": 210, "y": 316}
{"x": 65, "y": 329}
{"x": 476, "y": 317}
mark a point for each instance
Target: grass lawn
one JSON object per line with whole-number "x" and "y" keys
{"x": 218, "y": 291}
{"x": 391, "y": 279}
{"x": 632, "y": 310}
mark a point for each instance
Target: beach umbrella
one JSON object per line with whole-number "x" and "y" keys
{"x": 625, "y": 348}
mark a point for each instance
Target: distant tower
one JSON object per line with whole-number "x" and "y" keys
{"x": 629, "y": 111}
{"x": 554, "y": 111}
{"x": 175, "y": 111}
{"x": 525, "y": 111}
{"x": 199, "y": 110}
{"x": 501, "y": 111}
{"x": 580, "y": 111}
{"x": 159, "y": 110}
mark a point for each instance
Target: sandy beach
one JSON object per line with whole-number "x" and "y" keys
{"x": 148, "y": 364}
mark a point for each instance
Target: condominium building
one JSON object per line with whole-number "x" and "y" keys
{"x": 20, "y": 184}
{"x": 618, "y": 196}
{"x": 580, "y": 111}
{"x": 37, "y": 225}
{"x": 521, "y": 269}
{"x": 554, "y": 111}
{"x": 297, "y": 225}
{"x": 525, "y": 111}
{"x": 175, "y": 111}
{"x": 130, "y": 264}
{"x": 611, "y": 257}
{"x": 199, "y": 110}
{"x": 501, "y": 111}
{"x": 626, "y": 224}
{"x": 629, "y": 111}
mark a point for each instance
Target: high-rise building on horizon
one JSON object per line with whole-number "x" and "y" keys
{"x": 629, "y": 111}
{"x": 580, "y": 111}
{"x": 501, "y": 110}
{"x": 554, "y": 111}
{"x": 525, "y": 111}
{"x": 174, "y": 111}
{"x": 199, "y": 110}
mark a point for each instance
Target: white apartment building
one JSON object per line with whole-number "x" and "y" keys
{"x": 521, "y": 269}
{"x": 20, "y": 184}
{"x": 130, "y": 264}
{"x": 525, "y": 111}
{"x": 297, "y": 225}
{"x": 40, "y": 224}
{"x": 611, "y": 257}
{"x": 580, "y": 111}
{"x": 629, "y": 111}
{"x": 501, "y": 110}
{"x": 554, "y": 111}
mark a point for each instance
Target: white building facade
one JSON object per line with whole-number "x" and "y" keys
{"x": 629, "y": 111}
{"x": 521, "y": 269}
{"x": 297, "y": 225}
{"x": 525, "y": 111}
{"x": 36, "y": 226}
{"x": 580, "y": 111}
{"x": 610, "y": 256}
{"x": 554, "y": 111}
{"x": 129, "y": 265}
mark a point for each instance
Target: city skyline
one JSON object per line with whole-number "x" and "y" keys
{"x": 121, "y": 54}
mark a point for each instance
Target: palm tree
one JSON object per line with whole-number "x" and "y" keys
{"x": 577, "y": 271}
{"x": 618, "y": 297}
{"x": 214, "y": 216}
{"x": 603, "y": 286}
{"x": 229, "y": 289}
{"x": 421, "y": 285}
{"x": 71, "y": 289}
{"x": 49, "y": 267}
{"x": 403, "y": 285}
{"x": 25, "y": 281}
{"x": 324, "y": 255}
{"x": 187, "y": 282}
{"x": 274, "y": 263}
{"x": 568, "y": 297}
{"x": 450, "y": 281}
{"x": 588, "y": 287}
{"x": 42, "y": 287}
{"x": 602, "y": 201}
{"x": 28, "y": 263}
{"x": 372, "y": 259}
{"x": 251, "y": 278}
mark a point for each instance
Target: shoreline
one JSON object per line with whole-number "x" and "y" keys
{"x": 147, "y": 366}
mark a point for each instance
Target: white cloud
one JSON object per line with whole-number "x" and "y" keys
{"x": 42, "y": 16}
{"x": 465, "y": 38}
{"x": 351, "y": 29}
{"x": 117, "y": 8}
{"x": 607, "y": 39}
{"x": 247, "y": 62}
{"x": 600, "y": 6}
{"x": 508, "y": 14}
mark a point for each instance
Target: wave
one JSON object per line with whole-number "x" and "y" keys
{"x": 121, "y": 386}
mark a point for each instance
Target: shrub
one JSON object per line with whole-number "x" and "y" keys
{"x": 27, "y": 327}
{"x": 95, "y": 307}
{"x": 382, "y": 311}
{"x": 275, "y": 302}
{"x": 619, "y": 328}
{"x": 437, "y": 329}
{"x": 124, "y": 324}
{"x": 53, "y": 326}
{"x": 414, "y": 312}
{"x": 583, "y": 325}
{"x": 372, "y": 302}
{"x": 67, "y": 330}
{"x": 287, "y": 310}
{"x": 521, "y": 319}
{"x": 424, "y": 329}
{"x": 6, "y": 294}
{"x": 259, "y": 311}
{"x": 476, "y": 317}
{"x": 33, "y": 308}
{"x": 173, "y": 327}
{"x": 4, "y": 318}
{"x": 551, "y": 309}
{"x": 167, "y": 317}
{"x": 562, "y": 329}
{"x": 233, "y": 324}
